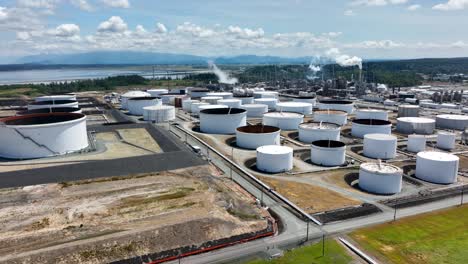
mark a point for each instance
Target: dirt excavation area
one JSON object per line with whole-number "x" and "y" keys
{"x": 104, "y": 220}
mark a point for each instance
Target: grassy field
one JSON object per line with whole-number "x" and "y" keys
{"x": 312, "y": 254}
{"x": 437, "y": 237}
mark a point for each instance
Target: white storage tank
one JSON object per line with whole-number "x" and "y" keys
{"x": 380, "y": 146}
{"x": 415, "y": 125}
{"x": 53, "y": 104}
{"x": 408, "y": 111}
{"x": 42, "y": 135}
{"x": 283, "y": 120}
{"x": 222, "y": 120}
{"x": 157, "y": 92}
{"x": 437, "y": 167}
{"x": 306, "y": 99}
{"x": 198, "y": 92}
{"x": 73, "y": 110}
{"x": 255, "y": 110}
{"x": 446, "y": 140}
{"x": 245, "y": 99}
{"x": 458, "y": 122}
{"x": 449, "y": 106}
{"x": 233, "y": 103}
{"x": 61, "y": 97}
{"x": 295, "y": 107}
{"x": 131, "y": 94}
{"x": 315, "y": 131}
{"x": 159, "y": 113}
{"x": 203, "y": 107}
{"x": 271, "y": 102}
{"x": 187, "y": 105}
{"x": 416, "y": 143}
{"x": 361, "y": 127}
{"x": 211, "y": 99}
{"x": 135, "y": 105}
{"x": 169, "y": 99}
{"x": 274, "y": 159}
{"x": 347, "y": 106}
{"x": 331, "y": 116}
{"x": 195, "y": 107}
{"x": 380, "y": 178}
{"x": 328, "y": 153}
{"x": 371, "y": 114}
{"x": 252, "y": 137}
{"x": 224, "y": 95}
{"x": 265, "y": 94}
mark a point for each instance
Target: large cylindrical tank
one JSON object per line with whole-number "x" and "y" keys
{"x": 187, "y": 105}
{"x": 53, "y": 104}
{"x": 61, "y": 97}
{"x": 446, "y": 140}
{"x": 283, "y": 120}
{"x": 195, "y": 107}
{"x": 458, "y": 122}
{"x": 203, "y": 107}
{"x": 157, "y": 92}
{"x": 331, "y": 116}
{"x": 252, "y": 137}
{"x": 306, "y": 99}
{"x": 294, "y": 107}
{"x": 371, "y": 114}
{"x": 159, "y": 113}
{"x": 380, "y": 146}
{"x": 42, "y": 135}
{"x": 245, "y": 99}
{"x": 315, "y": 131}
{"x": 437, "y": 167}
{"x": 222, "y": 120}
{"x": 131, "y": 94}
{"x": 271, "y": 102}
{"x": 274, "y": 159}
{"x": 198, "y": 92}
{"x": 361, "y": 127}
{"x": 347, "y": 106}
{"x": 224, "y": 95}
{"x": 416, "y": 143}
{"x": 408, "y": 111}
{"x": 415, "y": 125}
{"x": 265, "y": 94}
{"x": 233, "y": 103}
{"x": 328, "y": 153}
{"x": 135, "y": 105}
{"x": 255, "y": 110}
{"x": 380, "y": 178}
{"x": 51, "y": 110}
{"x": 211, "y": 99}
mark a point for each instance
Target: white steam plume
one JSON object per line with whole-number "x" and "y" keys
{"x": 222, "y": 76}
{"x": 314, "y": 67}
{"x": 343, "y": 59}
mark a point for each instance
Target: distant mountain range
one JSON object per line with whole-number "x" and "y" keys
{"x": 130, "y": 57}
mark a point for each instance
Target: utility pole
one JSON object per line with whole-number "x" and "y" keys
{"x": 323, "y": 244}
{"x": 394, "y": 214}
{"x": 307, "y": 236}
{"x": 462, "y": 193}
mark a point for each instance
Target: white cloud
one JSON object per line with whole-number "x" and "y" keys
{"x": 82, "y": 4}
{"x": 67, "y": 30}
{"x": 116, "y": 3}
{"x": 161, "y": 28}
{"x": 3, "y": 13}
{"x": 377, "y": 2}
{"x": 21, "y": 35}
{"x": 140, "y": 30}
{"x": 349, "y": 13}
{"x": 46, "y": 4}
{"x": 115, "y": 24}
{"x": 375, "y": 44}
{"x": 414, "y": 7}
{"x": 452, "y": 5}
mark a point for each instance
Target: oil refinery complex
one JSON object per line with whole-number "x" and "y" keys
{"x": 277, "y": 158}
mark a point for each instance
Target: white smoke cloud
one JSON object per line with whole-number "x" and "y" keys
{"x": 343, "y": 59}
{"x": 222, "y": 76}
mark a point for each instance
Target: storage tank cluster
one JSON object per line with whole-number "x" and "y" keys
{"x": 437, "y": 167}
{"x": 131, "y": 94}
{"x": 295, "y": 107}
{"x": 274, "y": 159}
{"x": 380, "y": 178}
{"x": 331, "y": 116}
{"x": 380, "y": 146}
{"x": 372, "y": 114}
{"x": 315, "y": 131}
{"x": 135, "y": 105}
{"x": 361, "y": 127}
{"x": 328, "y": 153}
{"x": 283, "y": 120}
{"x": 347, "y": 106}
{"x": 457, "y": 122}
{"x": 159, "y": 113}
{"x": 255, "y": 110}
{"x": 42, "y": 135}
{"x": 415, "y": 125}
{"x": 222, "y": 120}
{"x": 253, "y": 137}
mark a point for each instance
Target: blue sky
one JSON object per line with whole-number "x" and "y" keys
{"x": 365, "y": 28}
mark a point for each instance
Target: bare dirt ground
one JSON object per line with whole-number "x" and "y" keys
{"x": 108, "y": 219}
